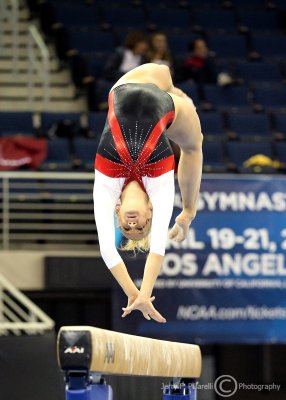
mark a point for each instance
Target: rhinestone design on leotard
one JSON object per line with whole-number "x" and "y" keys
{"x": 133, "y": 147}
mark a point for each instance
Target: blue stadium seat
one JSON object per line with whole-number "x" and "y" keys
{"x": 226, "y": 97}
{"x": 224, "y": 65}
{"x": 58, "y": 157}
{"x": 93, "y": 42}
{"x": 12, "y": 123}
{"x": 258, "y": 72}
{"x": 283, "y": 69}
{"x": 259, "y": 20}
{"x": 213, "y": 157}
{"x": 212, "y": 125}
{"x": 169, "y": 17}
{"x": 48, "y": 119}
{"x": 190, "y": 88}
{"x": 96, "y": 122}
{"x": 280, "y": 4}
{"x": 120, "y": 33}
{"x": 125, "y": 16}
{"x": 271, "y": 97}
{"x": 161, "y": 3}
{"x": 116, "y": 3}
{"x": 203, "y": 3}
{"x": 215, "y": 20}
{"x": 76, "y": 15}
{"x": 239, "y": 152}
{"x": 228, "y": 46}
{"x": 67, "y": 2}
{"x": 269, "y": 45}
{"x": 96, "y": 64}
{"x": 102, "y": 90}
{"x": 249, "y": 4}
{"x": 280, "y": 126}
{"x": 250, "y": 126}
{"x": 85, "y": 151}
{"x": 281, "y": 151}
{"x": 179, "y": 43}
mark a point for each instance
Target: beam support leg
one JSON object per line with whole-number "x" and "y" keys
{"x": 180, "y": 389}
{"x": 83, "y": 385}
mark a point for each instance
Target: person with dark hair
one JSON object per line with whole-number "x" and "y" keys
{"x": 125, "y": 58}
{"x": 159, "y": 52}
{"x": 134, "y": 175}
{"x": 199, "y": 66}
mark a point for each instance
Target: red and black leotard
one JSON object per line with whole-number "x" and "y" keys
{"x": 133, "y": 146}
{"x": 133, "y": 143}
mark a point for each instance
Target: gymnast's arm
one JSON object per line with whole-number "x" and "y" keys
{"x": 104, "y": 205}
{"x": 189, "y": 138}
{"x": 162, "y": 199}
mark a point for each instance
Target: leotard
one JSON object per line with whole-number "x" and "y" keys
{"x": 133, "y": 146}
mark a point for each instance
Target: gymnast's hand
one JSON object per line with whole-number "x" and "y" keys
{"x": 131, "y": 300}
{"x": 180, "y": 229}
{"x": 144, "y": 305}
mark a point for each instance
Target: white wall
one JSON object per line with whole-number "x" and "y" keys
{"x": 25, "y": 269}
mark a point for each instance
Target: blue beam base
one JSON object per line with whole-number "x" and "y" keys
{"x": 79, "y": 394}
{"x": 93, "y": 392}
{"x": 180, "y": 391}
{"x": 83, "y": 385}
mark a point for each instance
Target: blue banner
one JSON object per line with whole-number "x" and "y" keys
{"x": 226, "y": 282}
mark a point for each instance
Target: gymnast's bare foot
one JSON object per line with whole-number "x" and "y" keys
{"x": 144, "y": 305}
{"x": 180, "y": 229}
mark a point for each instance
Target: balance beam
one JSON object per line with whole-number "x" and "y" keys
{"x": 108, "y": 352}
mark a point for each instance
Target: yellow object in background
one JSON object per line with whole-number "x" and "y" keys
{"x": 262, "y": 161}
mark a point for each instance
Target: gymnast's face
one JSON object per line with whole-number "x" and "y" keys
{"x": 134, "y": 218}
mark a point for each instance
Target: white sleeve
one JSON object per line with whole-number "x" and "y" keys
{"x": 162, "y": 196}
{"x": 105, "y": 199}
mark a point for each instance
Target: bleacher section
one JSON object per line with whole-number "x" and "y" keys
{"x": 247, "y": 39}
{"x": 21, "y": 76}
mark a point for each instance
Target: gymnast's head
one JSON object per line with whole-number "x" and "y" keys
{"x": 134, "y": 217}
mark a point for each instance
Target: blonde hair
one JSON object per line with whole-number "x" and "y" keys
{"x": 137, "y": 246}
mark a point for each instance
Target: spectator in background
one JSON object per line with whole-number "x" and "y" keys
{"x": 199, "y": 66}
{"x": 128, "y": 57}
{"x": 159, "y": 52}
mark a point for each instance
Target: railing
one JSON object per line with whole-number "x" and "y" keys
{"x": 3, "y": 18}
{"x": 14, "y": 18}
{"x": 18, "y": 314}
{"x": 9, "y": 13}
{"x": 47, "y": 211}
{"x": 38, "y": 68}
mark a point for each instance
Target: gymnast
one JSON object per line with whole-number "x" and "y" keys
{"x": 134, "y": 175}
